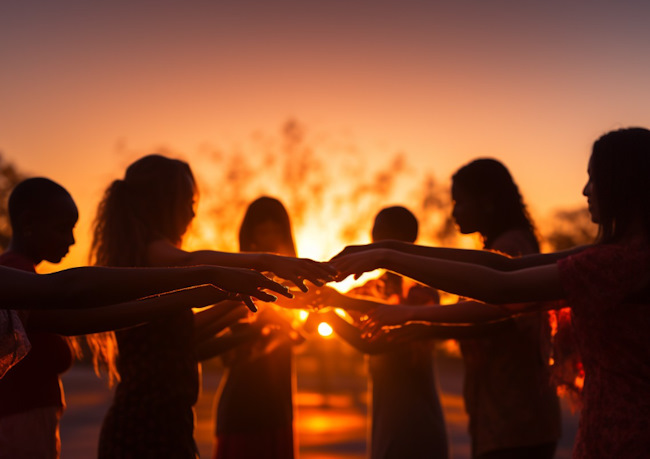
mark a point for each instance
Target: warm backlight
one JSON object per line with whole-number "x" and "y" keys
{"x": 325, "y": 329}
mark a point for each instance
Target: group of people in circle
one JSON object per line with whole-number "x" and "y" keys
{"x": 136, "y": 304}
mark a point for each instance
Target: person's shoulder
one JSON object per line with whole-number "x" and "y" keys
{"x": 16, "y": 260}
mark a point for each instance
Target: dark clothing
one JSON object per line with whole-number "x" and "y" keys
{"x": 255, "y": 403}
{"x": 268, "y": 444}
{"x": 257, "y": 394}
{"x": 152, "y": 414}
{"x": 407, "y": 418}
{"x": 34, "y": 381}
{"x": 509, "y": 398}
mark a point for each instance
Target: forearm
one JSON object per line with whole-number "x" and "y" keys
{"x": 209, "y": 323}
{"x": 477, "y": 282}
{"x": 99, "y": 286}
{"x": 352, "y": 335}
{"x": 425, "y": 331}
{"x": 466, "y": 312}
{"x": 214, "y": 346}
{"x": 478, "y": 257}
{"x": 486, "y": 258}
{"x": 116, "y": 316}
{"x": 350, "y": 303}
{"x": 257, "y": 261}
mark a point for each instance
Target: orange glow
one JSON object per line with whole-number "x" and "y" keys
{"x": 341, "y": 313}
{"x": 325, "y": 330}
{"x": 350, "y": 283}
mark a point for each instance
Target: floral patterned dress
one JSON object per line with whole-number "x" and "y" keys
{"x": 606, "y": 287}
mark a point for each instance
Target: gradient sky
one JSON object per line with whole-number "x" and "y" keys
{"x": 531, "y": 83}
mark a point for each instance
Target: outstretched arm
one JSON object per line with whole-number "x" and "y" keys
{"x": 540, "y": 283}
{"x": 295, "y": 270}
{"x": 461, "y": 320}
{"x": 100, "y": 286}
{"x": 353, "y": 335}
{"x": 415, "y": 331}
{"x": 214, "y": 320}
{"x": 217, "y": 345}
{"x": 373, "y": 343}
{"x": 267, "y": 323}
{"x": 489, "y": 259}
{"x": 105, "y": 318}
{"x": 327, "y": 296}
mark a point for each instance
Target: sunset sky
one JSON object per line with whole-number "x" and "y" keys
{"x": 531, "y": 83}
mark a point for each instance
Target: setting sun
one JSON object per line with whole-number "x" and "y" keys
{"x": 325, "y": 330}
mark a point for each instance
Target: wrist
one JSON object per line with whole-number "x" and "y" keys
{"x": 384, "y": 258}
{"x": 262, "y": 262}
{"x": 389, "y": 244}
{"x": 207, "y": 274}
{"x": 412, "y": 314}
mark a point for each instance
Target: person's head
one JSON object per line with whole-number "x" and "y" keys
{"x": 617, "y": 190}
{"x": 155, "y": 200}
{"x": 487, "y": 200}
{"x": 266, "y": 228}
{"x": 397, "y": 223}
{"x": 43, "y": 216}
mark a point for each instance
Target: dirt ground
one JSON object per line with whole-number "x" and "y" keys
{"x": 327, "y": 428}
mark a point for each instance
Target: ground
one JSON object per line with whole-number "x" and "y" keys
{"x": 327, "y": 427}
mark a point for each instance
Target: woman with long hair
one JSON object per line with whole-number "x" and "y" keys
{"x": 140, "y": 222}
{"x": 513, "y": 408}
{"x": 254, "y": 407}
{"x": 606, "y": 285}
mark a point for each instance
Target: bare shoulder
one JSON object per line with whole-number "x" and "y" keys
{"x": 163, "y": 253}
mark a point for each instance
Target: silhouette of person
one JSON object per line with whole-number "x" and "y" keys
{"x": 43, "y": 216}
{"x": 254, "y": 407}
{"x": 140, "y": 222}
{"x": 513, "y": 408}
{"x": 407, "y": 419}
{"x": 606, "y": 286}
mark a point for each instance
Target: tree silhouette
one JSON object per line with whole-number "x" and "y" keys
{"x": 9, "y": 178}
{"x": 331, "y": 190}
{"x": 571, "y": 228}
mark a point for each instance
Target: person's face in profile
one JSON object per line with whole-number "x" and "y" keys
{"x": 187, "y": 212}
{"x": 53, "y": 233}
{"x": 467, "y": 210}
{"x": 269, "y": 237}
{"x": 590, "y": 193}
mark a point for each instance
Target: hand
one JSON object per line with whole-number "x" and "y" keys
{"x": 354, "y": 249}
{"x": 312, "y": 322}
{"x": 297, "y": 302}
{"x": 359, "y": 263}
{"x": 320, "y": 297}
{"x": 310, "y": 300}
{"x": 297, "y": 270}
{"x": 404, "y": 333}
{"x": 384, "y": 316}
{"x": 247, "y": 283}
